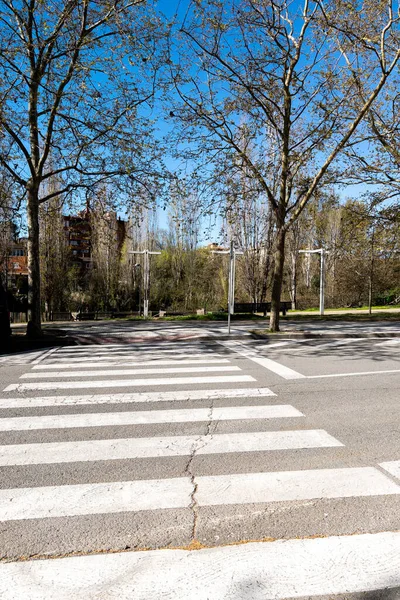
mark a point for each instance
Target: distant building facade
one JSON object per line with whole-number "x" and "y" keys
{"x": 79, "y": 231}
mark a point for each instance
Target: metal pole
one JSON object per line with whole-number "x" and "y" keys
{"x": 231, "y": 267}
{"x": 322, "y": 252}
{"x": 231, "y": 279}
{"x": 140, "y": 299}
{"x": 146, "y": 284}
{"x": 233, "y": 283}
{"x": 146, "y": 278}
{"x": 322, "y": 284}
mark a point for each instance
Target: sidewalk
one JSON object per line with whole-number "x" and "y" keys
{"x": 125, "y": 332}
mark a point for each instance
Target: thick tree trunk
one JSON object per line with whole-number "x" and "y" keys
{"x": 279, "y": 260}
{"x": 34, "y": 328}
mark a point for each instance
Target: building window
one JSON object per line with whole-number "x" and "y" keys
{"x": 17, "y": 252}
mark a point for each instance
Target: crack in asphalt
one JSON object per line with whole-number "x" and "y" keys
{"x": 198, "y": 444}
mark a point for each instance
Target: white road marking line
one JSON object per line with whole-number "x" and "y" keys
{"x": 155, "y": 447}
{"x": 104, "y": 348}
{"x": 352, "y": 374}
{"x": 285, "y": 486}
{"x": 267, "y": 363}
{"x": 275, "y": 345}
{"x": 131, "y": 355}
{"x": 271, "y": 570}
{"x": 69, "y": 385}
{"x": 43, "y": 356}
{"x": 109, "y": 372}
{"x": 392, "y": 467}
{"x": 394, "y": 342}
{"x": 95, "y": 498}
{"x": 22, "y": 358}
{"x": 114, "y": 497}
{"x": 178, "y": 396}
{"x": 228, "y": 413}
{"x": 276, "y": 368}
{"x": 90, "y": 362}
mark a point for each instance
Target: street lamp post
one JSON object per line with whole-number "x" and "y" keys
{"x": 146, "y": 278}
{"x": 322, "y": 252}
{"x": 231, "y": 280}
{"x": 137, "y": 267}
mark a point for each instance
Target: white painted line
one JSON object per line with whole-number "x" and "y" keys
{"x": 43, "y": 356}
{"x": 115, "y": 497}
{"x": 178, "y": 396}
{"x": 126, "y": 348}
{"x": 266, "y": 441}
{"x": 155, "y": 447}
{"x": 267, "y": 363}
{"x": 392, "y": 342}
{"x": 226, "y": 413}
{"x": 392, "y": 467}
{"x": 293, "y": 485}
{"x": 353, "y": 374}
{"x": 109, "y": 361}
{"x": 109, "y": 372}
{"x": 69, "y": 385}
{"x": 95, "y": 498}
{"x": 138, "y": 355}
{"x": 276, "y": 368}
{"x": 270, "y": 570}
{"x": 275, "y": 345}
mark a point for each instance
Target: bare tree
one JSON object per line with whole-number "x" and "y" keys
{"x": 291, "y": 72}
{"x": 249, "y": 224}
{"x": 73, "y": 76}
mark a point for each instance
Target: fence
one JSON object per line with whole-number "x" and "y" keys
{"x": 18, "y": 317}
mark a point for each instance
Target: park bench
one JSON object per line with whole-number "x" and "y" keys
{"x": 264, "y": 307}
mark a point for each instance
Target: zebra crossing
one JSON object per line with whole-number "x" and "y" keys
{"x": 96, "y": 470}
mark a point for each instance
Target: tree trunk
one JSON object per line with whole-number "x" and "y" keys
{"x": 34, "y": 328}
{"x": 279, "y": 260}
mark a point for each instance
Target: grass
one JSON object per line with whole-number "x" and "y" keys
{"x": 381, "y": 316}
{"x": 381, "y": 308}
{"x": 341, "y": 315}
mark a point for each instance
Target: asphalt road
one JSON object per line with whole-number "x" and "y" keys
{"x": 108, "y": 449}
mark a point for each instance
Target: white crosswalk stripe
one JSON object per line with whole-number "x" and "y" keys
{"x": 214, "y": 452}
{"x": 114, "y": 449}
{"x": 127, "y": 348}
{"x": 392, "y": 467}
{"x": 293, "y": 485}
{"x": 230, "y": 413}
{"x": 140, "y": 397}
{"x": 72, "y": 500}
{"x": 109, "y": 383}
{"x": 90, "y": 364}
{"x": 300, "y": 568}
{"x": 153, "y": 371}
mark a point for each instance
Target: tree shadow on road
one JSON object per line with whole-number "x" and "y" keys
{"x": 345, "y": 349}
